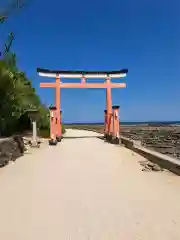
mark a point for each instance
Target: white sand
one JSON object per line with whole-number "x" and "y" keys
{"x": 87, "y": 189}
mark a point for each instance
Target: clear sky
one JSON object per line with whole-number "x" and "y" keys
{"x": 143, "y": 36}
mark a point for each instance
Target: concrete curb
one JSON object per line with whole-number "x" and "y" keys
{"x": 164, "y": 161}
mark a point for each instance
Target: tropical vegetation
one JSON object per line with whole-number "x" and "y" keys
{"x": 17, "y": 96}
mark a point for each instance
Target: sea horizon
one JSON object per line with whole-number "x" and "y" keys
{"x": 128, "y": 123}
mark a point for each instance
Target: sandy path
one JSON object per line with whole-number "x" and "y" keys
{"x": 87, "y": 189}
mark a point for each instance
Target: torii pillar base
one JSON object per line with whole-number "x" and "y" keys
{"x": 109, "y": 138}
{"x": 116, "y": 136}
{"x": 53, "y": 142}
{"x": 115, "y": 140}
{"x": 58, "y": 138}
{"x": 105, "y": 136}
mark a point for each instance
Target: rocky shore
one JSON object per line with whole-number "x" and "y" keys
{"x": 163, "y": 139}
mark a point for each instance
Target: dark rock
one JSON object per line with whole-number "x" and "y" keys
{"x": 149, "y": 164}
{"x": 146, "y": 169}
{"x": 11, "y": 149}
{"x": 20, "y": 143}
{"x": 143, "y": 163}
{"x": 156, "y": 168}
{"x": 4, "y": 159}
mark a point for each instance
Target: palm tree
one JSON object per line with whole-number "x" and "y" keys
{"x": 16, "y": 4}
{"x": 2, "y": 18}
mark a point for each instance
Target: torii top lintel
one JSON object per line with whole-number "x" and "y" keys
{"x": 79, "y": 74}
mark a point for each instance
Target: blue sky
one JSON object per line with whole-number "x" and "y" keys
{"x": 143, "y": 36}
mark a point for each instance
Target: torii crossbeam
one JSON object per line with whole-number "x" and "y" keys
{"x": 83, "y": 75}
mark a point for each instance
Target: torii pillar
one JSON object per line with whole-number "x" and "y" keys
{"x": 58, "y": 113}
{"x": 53, "y": 125}
{"x": 109, "y": 117}
{"x": 116, "y": 126}
{"x": 105, "y": 124}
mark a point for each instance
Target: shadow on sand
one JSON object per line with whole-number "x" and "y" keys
{"x": 74, "y": 137}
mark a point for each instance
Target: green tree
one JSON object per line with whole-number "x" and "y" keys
{"x": 10, "y": 8}
{"x": 16, "y": 96}
{"x": 16, "y": 92}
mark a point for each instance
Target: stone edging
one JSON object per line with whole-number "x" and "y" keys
{"x": 164, "y": 161}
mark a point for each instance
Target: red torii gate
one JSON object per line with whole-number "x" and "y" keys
{"x": 83, "y": 75}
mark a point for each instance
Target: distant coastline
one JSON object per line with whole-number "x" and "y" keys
{"x": 152, "y": 123}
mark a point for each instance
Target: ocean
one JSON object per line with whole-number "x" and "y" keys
{"x": 130, "y": 123}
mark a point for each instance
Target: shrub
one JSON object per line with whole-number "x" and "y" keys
{"x": 45, "y": 132}
{"x": 63, "y": 129}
